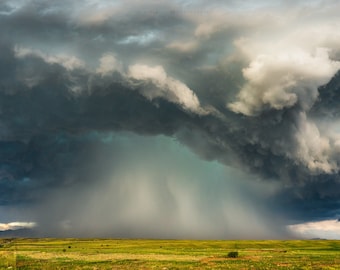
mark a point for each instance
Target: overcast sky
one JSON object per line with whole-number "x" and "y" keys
{"x": 170, "y": 119}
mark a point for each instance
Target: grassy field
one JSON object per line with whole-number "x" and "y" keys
{"x": 167, "y": 254}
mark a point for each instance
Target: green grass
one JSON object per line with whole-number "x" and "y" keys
{"x": 167, "y": 254}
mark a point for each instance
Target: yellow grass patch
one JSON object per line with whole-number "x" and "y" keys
{"x": 107, "y": 257}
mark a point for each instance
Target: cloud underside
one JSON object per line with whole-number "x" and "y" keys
{"x": 251, "y": 87}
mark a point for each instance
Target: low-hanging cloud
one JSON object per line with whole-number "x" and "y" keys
{"x": 16, "y": 225}
{"x": 252, "y": 87}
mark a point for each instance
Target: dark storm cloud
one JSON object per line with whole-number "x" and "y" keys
{"x": 70, "y": 74}
{"x": 326, "y": 105}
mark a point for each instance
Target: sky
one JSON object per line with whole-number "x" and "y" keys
{"x": 170, "y": 119}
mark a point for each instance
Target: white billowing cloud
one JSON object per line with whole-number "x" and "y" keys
{"x": 164, "y": 86}
{"x": 329, "y": 229}
{"x": 280, "y": 79}
{"x": 313, "y": 149}
{"x": 17, "y": 225}
{"x": 108, "y": 64}
{"x": 288, "y": 54}
{"x": 69, "y": 62}
{"x": 286, "y": 71}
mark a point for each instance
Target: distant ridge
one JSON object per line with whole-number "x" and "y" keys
{"x": 18, "y": 233}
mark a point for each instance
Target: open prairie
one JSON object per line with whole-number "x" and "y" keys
{"x": 168, "y": 254}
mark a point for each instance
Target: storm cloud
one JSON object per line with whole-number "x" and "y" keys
{"x": 87, "y": 88}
